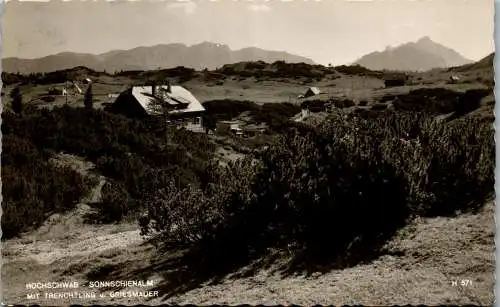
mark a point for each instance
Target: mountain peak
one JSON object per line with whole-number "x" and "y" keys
{"x": 425, "y": 39}
{"x": 209, "y": 44}
{"x": 424, "y": 54}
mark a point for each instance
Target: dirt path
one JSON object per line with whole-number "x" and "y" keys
{"x": 45, "y": 252}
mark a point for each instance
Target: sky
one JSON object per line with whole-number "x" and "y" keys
{"x": 328, "y": 31}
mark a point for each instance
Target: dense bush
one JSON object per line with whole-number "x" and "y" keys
{"x": 54, "y": 91}
{"x": 289, "y": 70}
{"x": 470, "y": 101}
{"x": 115, "y": 204}
{"x": 10, "y": 78}
{"x": 379, "y": 106}
{"x": 59, "y": 76}
{"x": 387, "y": 97}
{"x": 440, "y": 100}
{"x": 344, "y": 103}
{"x": 183, "y": 74}
{"x": 48, "y": 99}
{"x": 276, "y": 115}
{"x": 278, "y": 69}
{"x": 228, "y": 109}
{"x": 33, "y": 187}
{"x": 340, "y": 190}
{"x": 16, "y": 100}
{"x": 357, "y": 70}
{"x": 131, "y": 153}
{"x": 315, "y": 105}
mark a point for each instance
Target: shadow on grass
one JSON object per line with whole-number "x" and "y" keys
{"x": 212, "y": 261}
{"x": 240, "y": 251}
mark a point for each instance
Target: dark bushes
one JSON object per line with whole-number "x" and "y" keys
{"x": 276, "y": 115}
{"x": 470, "y": 101}
{"x": 34, "y": 188}
{"x": 115, "y": 203}
{"x": 58, "y": 76}
{"x": 48, "y": 99}
{"x": 183, "y": 74}
{"x": 357, "y": 70}
{"x": 379, "y": 106}
{"x": 10, "y": 78}
{"x": 278, "y": 69}
{"x": 440, "y": 101}
{"x": 320, "y": 105}
{"x": 228, "y": 109}
{"x": 314, "y": 105}
{"x": 131, "y": 153}
{"x": 344, "y": 103}
{"x": 336, "y": 193}
{"x": 54, "y": 91}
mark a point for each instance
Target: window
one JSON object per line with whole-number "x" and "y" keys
{"x": 196, "y": 121}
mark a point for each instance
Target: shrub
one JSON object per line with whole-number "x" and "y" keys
{"x": 470, "y": 101}
{"x": 379, "y": 106}
{"x": 17, "y": 100}
{"x": 131, "y": 153}
{"x": 357, "y": 70}
{"x": 54, "y": 91}
{"x": 345, "y": 103}
{"x": 340, "y": 190}
{"x": 33, "y": 187}
{"x": 228, "y": 109}
{"x": 276, "y": 115}
{"x": 10, "y": 78}
{"x": 440, "y": 100}
{"x": 115, "y": 203}
{"x": 314, "y": 105}
{"x": 48, "y": 99}
{"x": 88, "y": 100}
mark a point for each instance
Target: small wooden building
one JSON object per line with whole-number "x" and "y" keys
{"x": 144, "y": 101}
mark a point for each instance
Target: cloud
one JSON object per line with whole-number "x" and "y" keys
{"x": 188, "y": 7}
{"x": 259, "y": 8}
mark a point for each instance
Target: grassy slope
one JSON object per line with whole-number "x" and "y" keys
{"x": 423, "y": 260}
{"x": 270, "y": 89}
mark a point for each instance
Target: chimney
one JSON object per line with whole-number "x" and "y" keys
{"x": 169, "y": 88}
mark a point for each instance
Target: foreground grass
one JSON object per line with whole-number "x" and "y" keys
{"x": 417, "y": 267}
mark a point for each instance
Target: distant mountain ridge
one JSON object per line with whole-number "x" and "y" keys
{"x": 204, "y": 55}
{"x": 421, "y": 55}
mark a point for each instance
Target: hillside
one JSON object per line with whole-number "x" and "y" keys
{"x": 204, "y": 55}
{"x": 422, "y": 55}
{"x": 274, "y": 217}
{"x": 485, "y": 64}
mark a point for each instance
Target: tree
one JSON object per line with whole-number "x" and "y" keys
{"x": 160, "y": 106}
{"x": 88, "y": 98}
{"x": 17, "y": 100}
{"x": 209, "y": 123}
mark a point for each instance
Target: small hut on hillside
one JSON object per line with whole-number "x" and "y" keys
{"x": 144, "y": 101}
{"x": 311, "y": 91}
{"x": 454, "y": 78}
